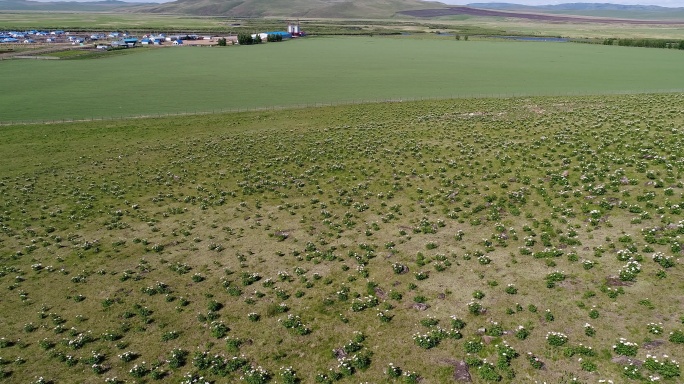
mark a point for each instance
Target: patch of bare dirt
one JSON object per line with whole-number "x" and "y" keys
{"x": 653, "y": 344}
{"x": 380, "y": 293}
{"x": 614, "y": 281}
{"x": 624, "y": 360}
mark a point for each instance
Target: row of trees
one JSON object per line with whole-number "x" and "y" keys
{"x": 247, "y": 39}
{"x": 648, "y": 43}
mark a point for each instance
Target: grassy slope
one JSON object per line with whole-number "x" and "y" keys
{"x": 93, "y": 200}
{"x": 362, "y": 9}
{"x": 301, "y": 72}
{"x": 676, "y": 14}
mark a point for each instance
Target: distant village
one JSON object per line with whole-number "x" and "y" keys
{"x": 124, "y": 40}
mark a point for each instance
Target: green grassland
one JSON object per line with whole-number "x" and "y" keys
{"x": 175, "y": 248}
{"x": 323, "y": 70}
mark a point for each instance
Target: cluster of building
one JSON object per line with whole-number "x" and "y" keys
{"x": 120, "y": 39}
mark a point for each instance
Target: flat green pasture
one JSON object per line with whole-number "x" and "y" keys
{"x": 323, "y": 71}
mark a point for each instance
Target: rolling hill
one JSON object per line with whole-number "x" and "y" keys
{"x": 291, "y": 8}
{"x": 592, "y": 9}
{"x": 65, "y": 6}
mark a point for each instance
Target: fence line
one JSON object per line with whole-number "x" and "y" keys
{"x": 335, "y": 104}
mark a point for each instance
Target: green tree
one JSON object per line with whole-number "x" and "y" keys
{"x": 222, "y": 42}
{"x": 245, "y": 39}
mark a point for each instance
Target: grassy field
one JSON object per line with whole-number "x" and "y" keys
{"x": 526, "y": 237}
{"x": 303, "y": 72}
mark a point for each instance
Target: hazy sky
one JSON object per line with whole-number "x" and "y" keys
{"x": 664, "y": 3}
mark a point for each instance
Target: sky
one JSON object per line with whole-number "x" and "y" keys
{"x": 663, "y": 3}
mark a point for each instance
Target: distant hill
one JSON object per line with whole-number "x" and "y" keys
{"x": 292, "y": 8}
{"x": 592, "y": 9}
{"x": 90, "y": 6}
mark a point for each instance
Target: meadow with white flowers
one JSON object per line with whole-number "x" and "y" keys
{"x": 505, "y": 239}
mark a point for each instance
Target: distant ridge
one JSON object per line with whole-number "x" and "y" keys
{"x": 574, "y": 7}
{"x": 88, "y": 6}
{"x": 362, "y": 9}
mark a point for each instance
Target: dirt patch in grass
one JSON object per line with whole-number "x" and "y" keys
{"x": 624, "y": 360}
{"x": 614, "y": 281}
{"x": 653, "y": 344}
{"x": 461, "y": 370}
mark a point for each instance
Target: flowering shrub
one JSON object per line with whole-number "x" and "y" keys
{"x": 534, "y": 361}
{"x": 556, "y": 339}
{"x": 473, "y": 346}
{"x": 392, "y": 371}
{"x": 128, "y": 356}
{"x": 632, "y": 371}
{"x": 256, "y": 375}
{"x": 475, "y": 308}
{"x": 345, "y": 367}
{"x": 655, "y": 328}
{"x": 548, "y": 316}
{"x": 487, "y": 372}
{"x": 666, "y": 367}
{"x": 139, "y": 370}
{"x": 94, "y": 358}
{"x": 98, "y": 369}
{"x": 457, "y": 323}
{"x": 45, "y": 344}
{"x": 363, "y": 303}
{"x": 587, "y": 365}
{"x": 178, "y": 358}
{"x": 288, "y": 375}
{"x": 429, "y": 322}
{"x": 589, "y": 330}
{"x": 410, "y": 377}
{"x": 384, "y": 316}
{"x": 294, "y": 323}
{"x": 495, "y": 329}
{"x": 629, "y": 271}
{"x": 506, "y": 353}
{"x": 249, "y": 278}
{"x": 191, "y": 378}
{"x": 664, "y": 261}
{"x": 554, "y": 277}
{"x": 79, "y": 341}
{"x": 361, "y": 360}
{"x": 425, "y": 341}
{"x": 511, "y": 289}
{"x": 521, "y": 333}
{"x": 625, "y": 348}
{"x": 219, "y": 329}
{"x": 399, "y": 268}
{"x": 677, "y": 336}
{"x": 593, "y": 313}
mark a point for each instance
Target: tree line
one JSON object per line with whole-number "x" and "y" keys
{"x": 647, "y": 43}
{"x": 247, "y": 39}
